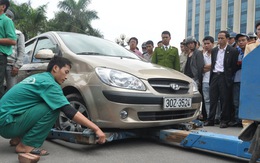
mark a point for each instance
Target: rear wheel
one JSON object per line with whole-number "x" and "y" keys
{"x": 64, "y": 123}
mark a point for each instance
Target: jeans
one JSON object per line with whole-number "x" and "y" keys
{"x": 205, "y": 90}
{"x": 236, "y": 95}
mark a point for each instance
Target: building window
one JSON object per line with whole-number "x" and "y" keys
{"x": 257, "y": 10}
{"x": 218, "y": 17}
{"x": 197, "y": 19}
{"x": 230, "y": 15}
{"x": 243, "y": 18}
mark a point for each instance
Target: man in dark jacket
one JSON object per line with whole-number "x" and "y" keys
{"x": 195, "y": 62}
{"x": 194, "y": 67}
{"x": 223, "y": 67}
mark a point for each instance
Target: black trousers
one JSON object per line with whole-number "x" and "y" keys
{"x": 219, "y": 90}
{"x": 3, "y": 64}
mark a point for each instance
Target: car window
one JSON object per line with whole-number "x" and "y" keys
{"x": 28, "y": 51}
{"x": 87, "y": 45}
{"x": 44, "y": 43}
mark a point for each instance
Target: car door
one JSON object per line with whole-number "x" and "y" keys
{"x": 31, "y": 64}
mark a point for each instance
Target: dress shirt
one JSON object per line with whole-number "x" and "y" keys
{"x": 219, "y": 66}
{"x": 207, "y": 61}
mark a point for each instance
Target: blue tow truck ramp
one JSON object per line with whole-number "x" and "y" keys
{"x": 197, "y": 139}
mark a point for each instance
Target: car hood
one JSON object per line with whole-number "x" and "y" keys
{"x": 136, "y": 67}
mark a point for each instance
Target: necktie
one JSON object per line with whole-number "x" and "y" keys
{"x": 166, "y": 48}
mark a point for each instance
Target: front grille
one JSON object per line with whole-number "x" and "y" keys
{"x": 164, "y": 86}
{"x": 165, "y": 115}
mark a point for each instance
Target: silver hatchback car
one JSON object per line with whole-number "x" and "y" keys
{"x": 111, "y": 85}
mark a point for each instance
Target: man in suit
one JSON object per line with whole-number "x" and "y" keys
{"x": 223, "y": 67}
{"x": 166, "y": 55}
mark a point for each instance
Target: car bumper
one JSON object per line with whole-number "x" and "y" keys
{"x": 143, "y": 109}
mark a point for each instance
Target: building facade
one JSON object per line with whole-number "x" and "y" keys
{"x": 208, "y": 17}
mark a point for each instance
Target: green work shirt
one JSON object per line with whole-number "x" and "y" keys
{"x": 35, "y": 89}
{"x": 168, "y": 58}
{"x": 7, "y": 30}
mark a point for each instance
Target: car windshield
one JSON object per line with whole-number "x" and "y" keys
{"x": 88, "y": 45}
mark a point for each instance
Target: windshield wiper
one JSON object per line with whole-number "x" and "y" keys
{"x": 88, "y": 53}
{"x": 126, "y": 57}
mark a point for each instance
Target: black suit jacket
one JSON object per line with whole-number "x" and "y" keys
{"x": 230, "y": 63}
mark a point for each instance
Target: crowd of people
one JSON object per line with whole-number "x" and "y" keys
{"x": 215, "y": 66}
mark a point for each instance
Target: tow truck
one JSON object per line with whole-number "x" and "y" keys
{"x": 185, "y": 134}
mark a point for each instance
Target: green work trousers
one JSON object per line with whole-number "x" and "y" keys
{"x": 33, "y": 126}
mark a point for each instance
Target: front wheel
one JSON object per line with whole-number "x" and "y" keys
{"x": 64, "y": 123}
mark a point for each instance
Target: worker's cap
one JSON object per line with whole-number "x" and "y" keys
{"x": 241, "y": 35}
{"x": 9, "y": 13}
{"x": 232, "y": 35}
{"x": 252, "y": 34}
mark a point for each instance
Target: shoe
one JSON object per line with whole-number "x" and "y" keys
{"x": 239, "y": 124}
{"x": 209, "y": 123}
{"x": 232, "y": 124}
{"x": 39, "y": 152}
{"x": 36, "y": 151}
{"x": 223, "y": 125}
{"x": 216, "y": 121}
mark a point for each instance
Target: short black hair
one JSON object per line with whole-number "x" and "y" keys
{"x": 257, "y": 24}
{"x": 134, "y": 38}
{"x": 59, "y": 61}
{"x": 210, "y": 38}
{"x": 6, "y": 3}
{"x": 226, "y": 33}
{"x": 149, "y": 42}
{"x": 166, "y": 33}
{"x": 159, "y": 42}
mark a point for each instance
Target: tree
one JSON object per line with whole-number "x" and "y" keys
{"x": 30, "y": 21}
{"x": 74, "y": 17}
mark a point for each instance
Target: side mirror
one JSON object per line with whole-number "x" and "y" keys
{"x": 44, "y": 54}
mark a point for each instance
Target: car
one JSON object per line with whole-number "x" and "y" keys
{"x": 112, "y": 86}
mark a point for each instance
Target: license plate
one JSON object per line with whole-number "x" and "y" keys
{"x": 171, "y": 103}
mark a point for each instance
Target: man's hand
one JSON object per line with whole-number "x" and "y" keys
{"x": 101, "y": 137}
{"x": 206, "y": 68}
{"x": 81, "y": 119}
{"x": 14, "y": 71}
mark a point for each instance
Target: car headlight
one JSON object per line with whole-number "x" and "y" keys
{"x": 119, "y": 79}
{"x": 194, "y": 86}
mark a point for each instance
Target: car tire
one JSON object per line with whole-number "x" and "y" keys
{"x": 64, "y": 123}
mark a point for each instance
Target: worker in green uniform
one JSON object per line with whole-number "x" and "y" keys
{"x": 30, "y": 108}
{"x": 166, "y": 55}
{"x": 7, "y": 40}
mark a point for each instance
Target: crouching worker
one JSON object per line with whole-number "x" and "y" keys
{"x": 29, "y": 110}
